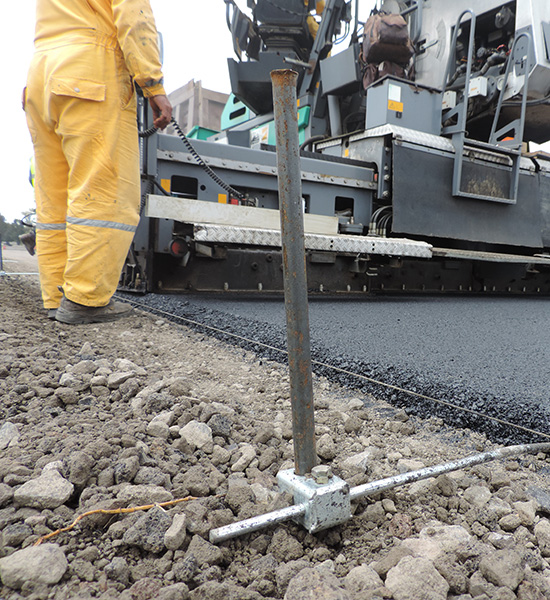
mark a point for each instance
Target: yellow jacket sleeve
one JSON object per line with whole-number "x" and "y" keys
{"x": 138, "y": 37}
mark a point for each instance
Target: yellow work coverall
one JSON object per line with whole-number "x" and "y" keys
{"x": 312, "y": 24}
{"x": 81, "y": 112}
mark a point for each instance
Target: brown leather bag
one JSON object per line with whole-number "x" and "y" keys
{"x": 386, "y": 38}
{"x": 373, "y": 73}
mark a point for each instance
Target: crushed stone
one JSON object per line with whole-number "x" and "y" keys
{"x": 144, "y": 411}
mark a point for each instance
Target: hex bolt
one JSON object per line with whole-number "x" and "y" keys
{"x": 321, "y": 474}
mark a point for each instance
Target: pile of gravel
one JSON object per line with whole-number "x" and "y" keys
{"x": 145, "y": 412}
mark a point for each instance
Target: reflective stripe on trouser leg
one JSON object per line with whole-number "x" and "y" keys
{"x": 96, "y": 257}
{"x": 52, "y": 255}
{"x": 51, "y": 240}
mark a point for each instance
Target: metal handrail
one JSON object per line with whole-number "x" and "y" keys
{"x": 526, "y": 68}
{"x": 511, "y": 148}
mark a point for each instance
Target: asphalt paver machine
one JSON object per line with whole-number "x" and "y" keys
{"x": 418, "y": 167}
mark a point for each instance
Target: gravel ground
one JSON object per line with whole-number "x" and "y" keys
{"x": 145, "y": 412}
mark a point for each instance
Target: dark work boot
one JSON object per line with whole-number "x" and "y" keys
{"x": 76, "y": 314}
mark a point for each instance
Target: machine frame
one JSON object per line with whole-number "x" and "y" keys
{"x": 432, "y": 192}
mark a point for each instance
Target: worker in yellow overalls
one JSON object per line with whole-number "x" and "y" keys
{"x": 81, "y": 112}
{"x": 312, "y": 24}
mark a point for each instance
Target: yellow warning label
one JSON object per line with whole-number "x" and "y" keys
{"x": 222, "y": 198}
{"x": 165, "y": 184}
{"x": 396, "y": 106}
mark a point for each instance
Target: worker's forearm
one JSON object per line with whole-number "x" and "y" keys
{"x": 138, "y": 38}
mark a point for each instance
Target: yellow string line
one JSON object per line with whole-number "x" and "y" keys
{"x": 114, "y": 511}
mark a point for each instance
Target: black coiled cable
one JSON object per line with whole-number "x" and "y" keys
{"x": 148, "y": 132}
{"x": 230, "y": 190}
{"x": 287, "y": 10}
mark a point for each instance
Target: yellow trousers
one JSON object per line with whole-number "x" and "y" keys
{"x": 81, "y": 112}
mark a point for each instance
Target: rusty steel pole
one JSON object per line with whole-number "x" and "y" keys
{"x": 294, "y": 268}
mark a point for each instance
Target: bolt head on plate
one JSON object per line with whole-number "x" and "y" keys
{"x": 321, "y": 474}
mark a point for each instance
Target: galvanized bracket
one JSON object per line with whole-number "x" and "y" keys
{"x": 326, "y": 504}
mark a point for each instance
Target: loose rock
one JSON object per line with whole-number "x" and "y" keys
{"x": 149, "y": 531}
{"x": 196, "y": 434}
{"x": 9, "y": 435}
{"x": 175, "y": 534}
{"x": 415, "y": 578}
{"x": 50, "y": 490}
{"x": 315, "y": 584}
{"x": 503, "y": 568}
{"x": 45, "y": 564}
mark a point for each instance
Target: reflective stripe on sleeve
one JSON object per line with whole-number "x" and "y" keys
{"x": 51, "y": 226}
{"x": 104, "y": 224}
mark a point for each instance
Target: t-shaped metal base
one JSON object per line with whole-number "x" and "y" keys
{"x": 324, "y": 500}
{"x": 326, "y": 504}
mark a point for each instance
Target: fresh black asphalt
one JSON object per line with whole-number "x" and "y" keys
{"x": 488, "y": 354}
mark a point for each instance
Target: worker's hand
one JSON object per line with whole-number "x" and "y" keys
{"x": 162, "y": 111}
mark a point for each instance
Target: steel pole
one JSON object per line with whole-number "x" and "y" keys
{"x": 294, "y": 268}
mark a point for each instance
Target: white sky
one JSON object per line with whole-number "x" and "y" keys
{"x": 197, "y": 44}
